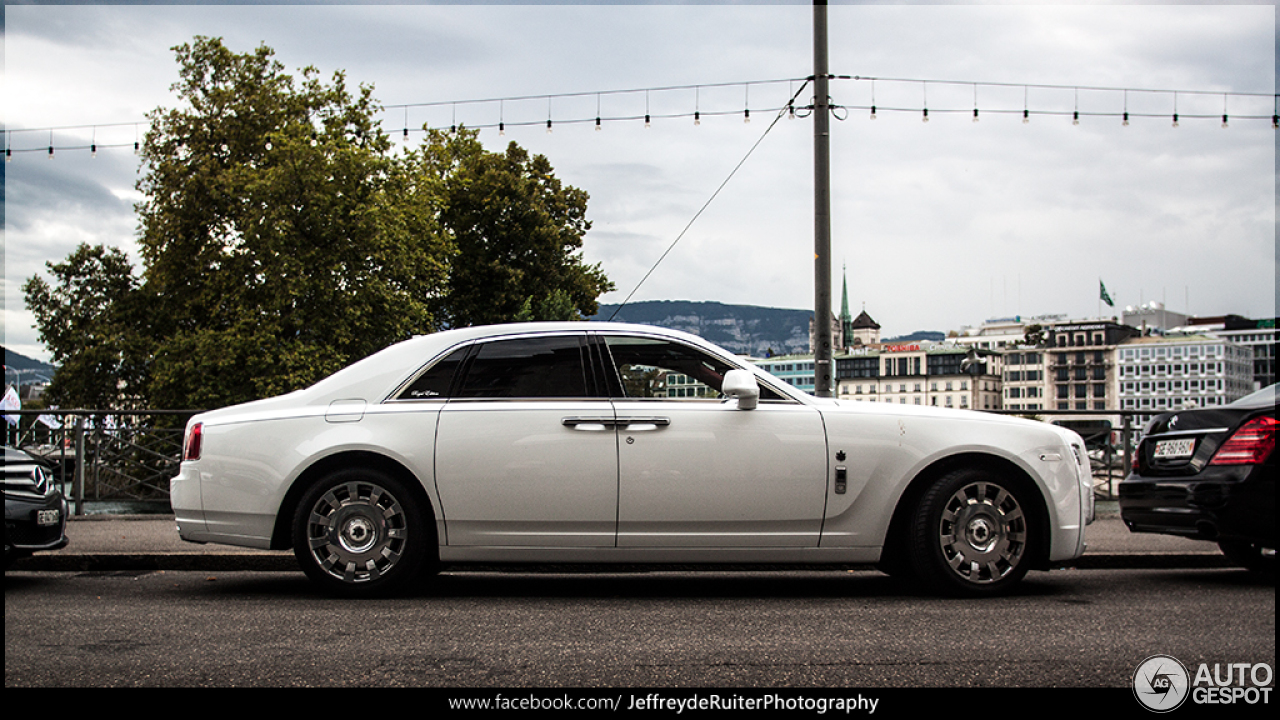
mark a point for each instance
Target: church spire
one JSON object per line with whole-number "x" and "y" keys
{"x": 845, "y": 317}
{"x": 846, "y": 320}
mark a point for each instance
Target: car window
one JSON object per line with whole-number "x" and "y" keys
{"x": 435, "y": 382}
{"x": 655, "y": 368}
{"x": 536, "y": 367}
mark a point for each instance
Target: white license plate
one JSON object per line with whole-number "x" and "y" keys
{"x": 48, "y": 517}
{"x": 1174, "y": 449}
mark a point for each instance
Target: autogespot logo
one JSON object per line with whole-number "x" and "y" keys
{"x": 1161, "y": 683}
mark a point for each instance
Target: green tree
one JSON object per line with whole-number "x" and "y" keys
{"x": 87, "y": 319}
{"x": 517, "y": 233}
{"x": 280, "y": 238}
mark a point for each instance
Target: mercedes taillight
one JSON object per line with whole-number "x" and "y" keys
{"x": 1250, "y": 445}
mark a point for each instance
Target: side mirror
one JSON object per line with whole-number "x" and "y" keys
{"x": 741, "y": 384}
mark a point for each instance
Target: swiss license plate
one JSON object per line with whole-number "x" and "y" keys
{"x": 48, "y": 517}
{"x": 1175, "y": 449}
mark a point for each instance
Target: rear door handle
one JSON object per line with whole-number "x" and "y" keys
{"x": 589, "y": 423}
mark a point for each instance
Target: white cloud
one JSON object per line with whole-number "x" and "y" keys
{"x": 941, "y": 224}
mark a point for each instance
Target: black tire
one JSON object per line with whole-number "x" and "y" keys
{"x": 971, "y": 534}
{"x": 362, "y": 533}
{"x": 1249, "y": 555}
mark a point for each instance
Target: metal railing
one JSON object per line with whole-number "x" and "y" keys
{"x": 132, "y": 455}
{"x": 104, "y": 454}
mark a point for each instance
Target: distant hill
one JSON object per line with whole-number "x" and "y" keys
{"x": 17, "y": 361}
{"x": 743, "y": 329}
{"x": 918, "y": 336}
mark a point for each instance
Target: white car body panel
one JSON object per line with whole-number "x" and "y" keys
{"x": 510, "y": 481}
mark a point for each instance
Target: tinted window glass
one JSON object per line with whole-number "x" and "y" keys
{"x": 527, "y": 368}
{"x": 435, "y": 382}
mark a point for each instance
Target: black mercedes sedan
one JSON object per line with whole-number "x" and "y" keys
{"x": 1210, "y": 474}
{"x": 35, "y": 511}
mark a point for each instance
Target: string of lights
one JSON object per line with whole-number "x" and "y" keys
{"x": 479, "y": 114}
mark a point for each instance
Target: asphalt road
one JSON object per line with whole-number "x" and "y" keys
{"x": 1068, "y": 628}
{"x": 127, "y": 604}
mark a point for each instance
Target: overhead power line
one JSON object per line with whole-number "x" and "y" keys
{"x": 492, "y": 113}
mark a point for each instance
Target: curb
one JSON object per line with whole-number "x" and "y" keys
{"x": 285, "y": 562}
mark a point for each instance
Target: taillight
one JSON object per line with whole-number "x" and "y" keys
{"x": 1250, "y": 445}
{"x": 191, "y": 447}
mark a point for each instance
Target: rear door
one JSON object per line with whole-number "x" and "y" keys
{"x": 526, "y": 451}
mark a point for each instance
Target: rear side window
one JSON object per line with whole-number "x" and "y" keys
{"x": 434, "y": 384}
{"x": 540, "y": 367}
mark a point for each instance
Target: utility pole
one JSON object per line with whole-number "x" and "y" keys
{"x": 823, "y": 364}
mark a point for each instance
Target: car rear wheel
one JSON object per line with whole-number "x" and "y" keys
{"x": 971, "y": 534}
{"x": 360, "y": 532}
{"x": 1249, "y": 555}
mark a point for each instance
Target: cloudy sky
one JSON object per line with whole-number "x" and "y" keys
{"x": 942, "y": 223}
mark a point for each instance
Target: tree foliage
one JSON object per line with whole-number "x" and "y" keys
{"x": 282, "y": 238}
{"x": 86, "y": 319}
{"x": 517, "y": 232}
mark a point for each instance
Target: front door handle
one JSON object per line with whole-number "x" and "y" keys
{"x": 644, "y": 423}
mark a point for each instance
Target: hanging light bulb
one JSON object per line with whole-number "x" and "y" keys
{"x": 1026, "y": 116}
{"x": 50, "y": 152}
{"x": 1224, "y": 120}
{"x": 597, "y": 123}
{"x": 93, "y": 149}
{"x": 406, "y": 135}
{"x": 926, "y": 115}
{"x": 697, "y": 118}
{"x": 646, "y": 119}
{"x": 746, "y": 116}
{"x": 502, "y": 128}
{"x": 548, "y": 126}
{"x": 1075, "y": 117}
{"x": 873, "y": 112}
{"x": 975, "y": 114}
{"x": 1125, "y": 123}
{"x": 1175, "y": 119}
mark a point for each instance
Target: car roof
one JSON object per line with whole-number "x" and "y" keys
{"x": 1260, "y": 399}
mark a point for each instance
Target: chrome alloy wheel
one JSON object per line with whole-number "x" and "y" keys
{"x": 357, "y": 532}
{"x": 982, "y": 532}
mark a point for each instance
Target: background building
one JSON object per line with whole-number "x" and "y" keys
{"x": 1257, "y": 335}
{"x": 795, "y": 370}
{"x": 1158, "y": 374}
{"x": 1082, "y": 362}
{"x": 938, "y": 375}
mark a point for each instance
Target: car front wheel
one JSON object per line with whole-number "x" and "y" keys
{"x": 971, "y": 534}
{"x": 359, "y": 532}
